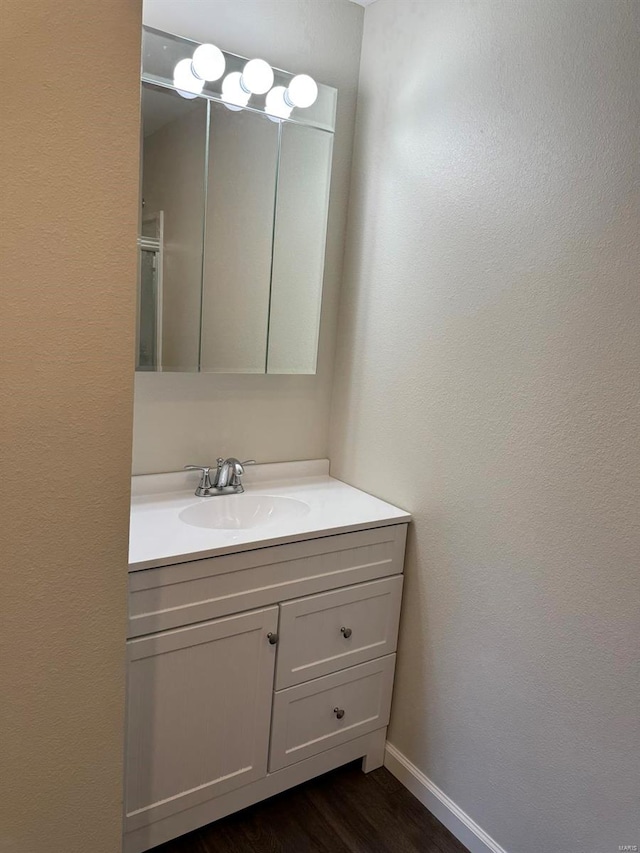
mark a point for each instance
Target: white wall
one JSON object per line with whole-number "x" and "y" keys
{"x": 182, "y": 418}
{"x": 487, "y": 381}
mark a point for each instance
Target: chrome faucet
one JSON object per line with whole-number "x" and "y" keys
{"x": 230, "y": 472}
{"x": 227, "y": 479}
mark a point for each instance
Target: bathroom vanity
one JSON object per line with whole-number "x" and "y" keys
{"x": 261, "y": 641}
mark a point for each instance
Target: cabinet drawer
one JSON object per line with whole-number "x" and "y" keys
{"x": 308, "y": 718}
{"x": 170, "y": 596}
{"x": 324, "y": 633}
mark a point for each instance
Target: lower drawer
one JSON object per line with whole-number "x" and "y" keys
{"x": 329, "y": 711}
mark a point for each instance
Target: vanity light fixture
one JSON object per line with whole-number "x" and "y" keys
{"x": 189, "y": 75}
{"x": 302, "y": 92}
{"x": 275, "y": 105}
{"x": 257, "y": 77}
{"x": 185, "y": 81}
{"x": 234, "y": 95}
{"x": 208, "y": 62}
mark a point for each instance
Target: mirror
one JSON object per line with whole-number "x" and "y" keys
{"x": 241, "y": 185}
{"x": 232, "y": 233}
{"x": 173, "y": 165}
{"x": 298, "y": 248}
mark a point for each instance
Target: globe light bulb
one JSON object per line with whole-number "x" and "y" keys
{"x": 257, "y": 77}
{"x": 275, "y": 105}
{"x": 232, "y": 91}
{"x": 302, "y": 91}
{"x": 208, "y": 62}
{"x": 185, "y": 81}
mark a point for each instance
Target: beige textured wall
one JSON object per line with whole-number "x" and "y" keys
{"x": 69, "y": 163}
{"x": 191, "y": 418}
{"x": 487, "y": 381}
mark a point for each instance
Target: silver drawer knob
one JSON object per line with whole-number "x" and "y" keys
{"x": 346, "y": 632}
{"x": 339, "y": 712}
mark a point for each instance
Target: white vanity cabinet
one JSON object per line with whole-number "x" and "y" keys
{"x": 251, "y": 672}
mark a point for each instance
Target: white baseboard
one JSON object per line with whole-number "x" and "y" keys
{"x": 457, "y": 822}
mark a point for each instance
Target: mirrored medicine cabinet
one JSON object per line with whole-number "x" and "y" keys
{"x": 233, "y": 224}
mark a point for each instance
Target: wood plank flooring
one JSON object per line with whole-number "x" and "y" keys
{"x": 341, "y": 812}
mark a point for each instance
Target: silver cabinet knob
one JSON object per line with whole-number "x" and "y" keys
{"x": 346, "y": 632}
{"x": 272, "y": 637}
{"x": 339, "y": 712}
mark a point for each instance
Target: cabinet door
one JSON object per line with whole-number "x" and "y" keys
{"x": 199, "y": 708}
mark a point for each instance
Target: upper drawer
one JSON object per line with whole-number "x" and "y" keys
{"x": 328, "y": 632}
{"x": 177, "y": 595}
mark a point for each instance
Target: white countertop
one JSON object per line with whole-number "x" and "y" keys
{"x": 158, "y": 537}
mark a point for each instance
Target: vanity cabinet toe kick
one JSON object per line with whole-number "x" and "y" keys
{"x": 253, "y": 672}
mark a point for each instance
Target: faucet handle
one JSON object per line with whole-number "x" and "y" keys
{"x": 205, "y": 480}
{"x": 240, "y": 468}
{"x": 239, "y": 471}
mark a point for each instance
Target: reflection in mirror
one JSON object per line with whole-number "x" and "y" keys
{"x": 173, "y": 169}
{"x": 243, "y": 160}
{"x": 298, "y": 248}
{"x": 149, "y": 293}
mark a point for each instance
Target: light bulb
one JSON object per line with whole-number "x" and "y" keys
{"x": 184, "y": 79}
{"x": 232, "y": 91}
{"x": 257, "y": 77}
{"x": 275, "y": 104}
{"x": 302, "y": 91}
{"x": 188, "y": 95}
{"x": 208, "y": 62}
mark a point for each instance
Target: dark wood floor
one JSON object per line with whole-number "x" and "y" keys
{"x": 341, "y": 812}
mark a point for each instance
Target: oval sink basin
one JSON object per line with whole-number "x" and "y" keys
{"x": 242, "y": 512}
